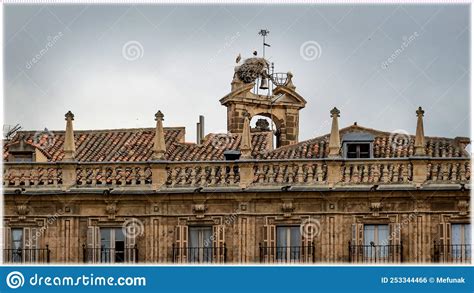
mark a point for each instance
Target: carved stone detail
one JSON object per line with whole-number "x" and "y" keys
{"x": 111, "y": 209}
{"x": 375, "y": 208}
{"x": 22, "y": 210}
{"x": 287, "y": 208}
{"x": 200, "y": 210}
{"x": 463, "y": 206}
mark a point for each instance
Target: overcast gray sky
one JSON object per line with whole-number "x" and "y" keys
{"x": 86, "y": 62}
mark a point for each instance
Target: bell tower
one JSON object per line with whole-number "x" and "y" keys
{"x": 279, "y": 101}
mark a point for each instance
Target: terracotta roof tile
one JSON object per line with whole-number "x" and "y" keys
{"x": 131, "y": 145}
{"x": 98, "y": 145}
{"x": 386, "y": 145}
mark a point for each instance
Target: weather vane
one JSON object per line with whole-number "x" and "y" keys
{"x": 264, "y": 33}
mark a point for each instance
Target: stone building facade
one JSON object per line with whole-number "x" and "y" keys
{"x": 147, "y": 196}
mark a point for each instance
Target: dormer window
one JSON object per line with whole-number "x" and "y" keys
{"x": 358, "y": 145}
{"x": 22, "y": 157}
{"x": 358, "y": 150}
{"x": 21, "y": 152}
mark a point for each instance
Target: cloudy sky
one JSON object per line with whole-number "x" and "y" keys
{"x": 115, "y": 66}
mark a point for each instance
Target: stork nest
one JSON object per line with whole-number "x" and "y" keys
{"x": 251, "y": 69}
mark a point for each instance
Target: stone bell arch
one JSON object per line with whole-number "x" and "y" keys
{"x": 282, "y": 103}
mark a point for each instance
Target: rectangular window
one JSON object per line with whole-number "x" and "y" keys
{"x": 461, "y": 241}
{"x": 288, "y": 243}
{"x": 23, "y": 157}
{"x": 357, "y": 150}
{"x": 376, "y": 242}
{"x": 200, "y": 244}
{"x": 17, "y": 245}
{"x": 112, "y": 245}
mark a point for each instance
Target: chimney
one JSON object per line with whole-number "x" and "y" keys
{"x": 334, "y": 139}
{"x": 420, "y": 134}
{"x": 200, "y": 130}
{"x": 198, "y": 134}
{"x": 69, "y": 145}
{"x": 159, "y": 146}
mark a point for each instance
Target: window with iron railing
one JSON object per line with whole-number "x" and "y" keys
{"x": 285, "y": 244}
{"x": 109, "y": 245}
{"x": 454, "y": 243}
{"x": 199, "y": 244}
{"x": 22, "y": 246}
{"x": 376, "y": 243}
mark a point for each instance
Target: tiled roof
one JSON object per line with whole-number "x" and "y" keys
{"x": 99, "y": 145}
{"x": 386, "y": 145}
{"x": 214, "y": 145}
{"x": 131, "y": 145}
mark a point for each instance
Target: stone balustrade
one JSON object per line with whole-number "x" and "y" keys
{"x": 115, "y": 174}
{"x": 32, "y": 175}
{"x": 379, "y": 171}
{"x": 290, "y": 172}
{"x": 202, "y": 174}
{"x": 166, "y": 174}
{"x": 448, "y": 171}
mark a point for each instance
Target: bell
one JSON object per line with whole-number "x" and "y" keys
{"x": 264, "y": 84}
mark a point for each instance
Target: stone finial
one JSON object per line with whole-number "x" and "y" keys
{"x": 289, "y": 81}
{"x": 245, "y": 145}
{"x": 159, "y": 146}
{"x": 159, "y": 116}
{"x": 69, "y": 115}
{"x": 420, "y": 134}
{"x": 334, "y": 139}
{"x": 335, "y": 111}
{"x": 69, "y": 144}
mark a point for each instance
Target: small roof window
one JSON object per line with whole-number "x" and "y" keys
{"x": 358, "y": 145}
{"x": 21, "y": 152}
{"x": 231, "y": 155}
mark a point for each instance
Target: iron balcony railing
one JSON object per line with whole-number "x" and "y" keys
{"x": 201, "y": 254}
{"x": 110, "y": 255}
{"x": 375, "y": 253}
{"x": 27, "y": 255}
{"x": 287, "y": 254}
{"x": 452, "y": 253}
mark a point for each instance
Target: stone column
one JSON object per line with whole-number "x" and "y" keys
{"x": 158, "y": 169}
{"x": 334, "y": 139}
{"x": 69, "y": 166}
{"x": 69, "y": 144}
{"x": 420, "y": 134}
{"x": 419, "y": 165}
{"x": 159, "y": 146}
{"x": 246, "y": 142}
